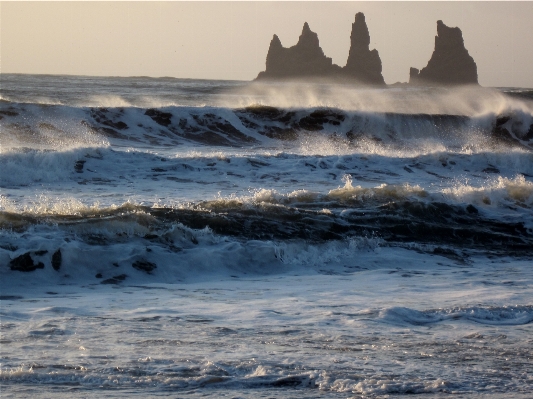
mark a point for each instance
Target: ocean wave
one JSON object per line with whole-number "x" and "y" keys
{"x": 137, "y": 248}
{"x": 105, "y": 165}
{"x": 255, "y": 232}
{"x": 253, "y": 125}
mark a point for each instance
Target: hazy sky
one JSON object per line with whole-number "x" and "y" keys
{"x": 229, "y": 40}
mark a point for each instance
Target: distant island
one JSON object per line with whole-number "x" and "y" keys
{"x": 450, "y": 63}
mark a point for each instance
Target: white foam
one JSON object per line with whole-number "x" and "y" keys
{"x": 21, "y": 167}
{"x": 496, "y": 192}
{"x": 383, "y": 192}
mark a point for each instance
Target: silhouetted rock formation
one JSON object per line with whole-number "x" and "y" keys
{"x": 307, "y": 60}
{"x": 363, "y": 65}
{"x": 450, "y": 63}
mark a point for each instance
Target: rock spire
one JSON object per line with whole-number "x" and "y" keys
{"x": 307, "y": 60}
{"x": 450, "y": 63}
{"x": 363, "y": 64}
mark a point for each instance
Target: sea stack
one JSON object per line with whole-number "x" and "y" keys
{"x": 363, "y": 65}
{"x": 307, "y": 60}
{"x": 303, "y": 60}
{"x": 450, "y": 63}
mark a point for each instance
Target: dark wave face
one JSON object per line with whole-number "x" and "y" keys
{"x": 394, "y": 223}
{"x": 258, "y": 125}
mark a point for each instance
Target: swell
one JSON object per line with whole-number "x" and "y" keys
{"x": 252, "y": 125}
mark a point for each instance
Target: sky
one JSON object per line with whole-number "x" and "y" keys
{"x": 230, "y": 40}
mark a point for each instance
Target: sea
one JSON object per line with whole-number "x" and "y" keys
{"x": 182, "y": 238}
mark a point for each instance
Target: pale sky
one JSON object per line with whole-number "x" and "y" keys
{"x": 229, "y": 40}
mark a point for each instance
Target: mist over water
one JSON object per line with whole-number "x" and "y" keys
{"x": 234, "y": 238}
{"x": 147, "y": 92}
{"x": 465, "y": 100}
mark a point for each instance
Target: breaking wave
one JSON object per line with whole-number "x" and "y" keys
{"x": 53, "y": 126}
